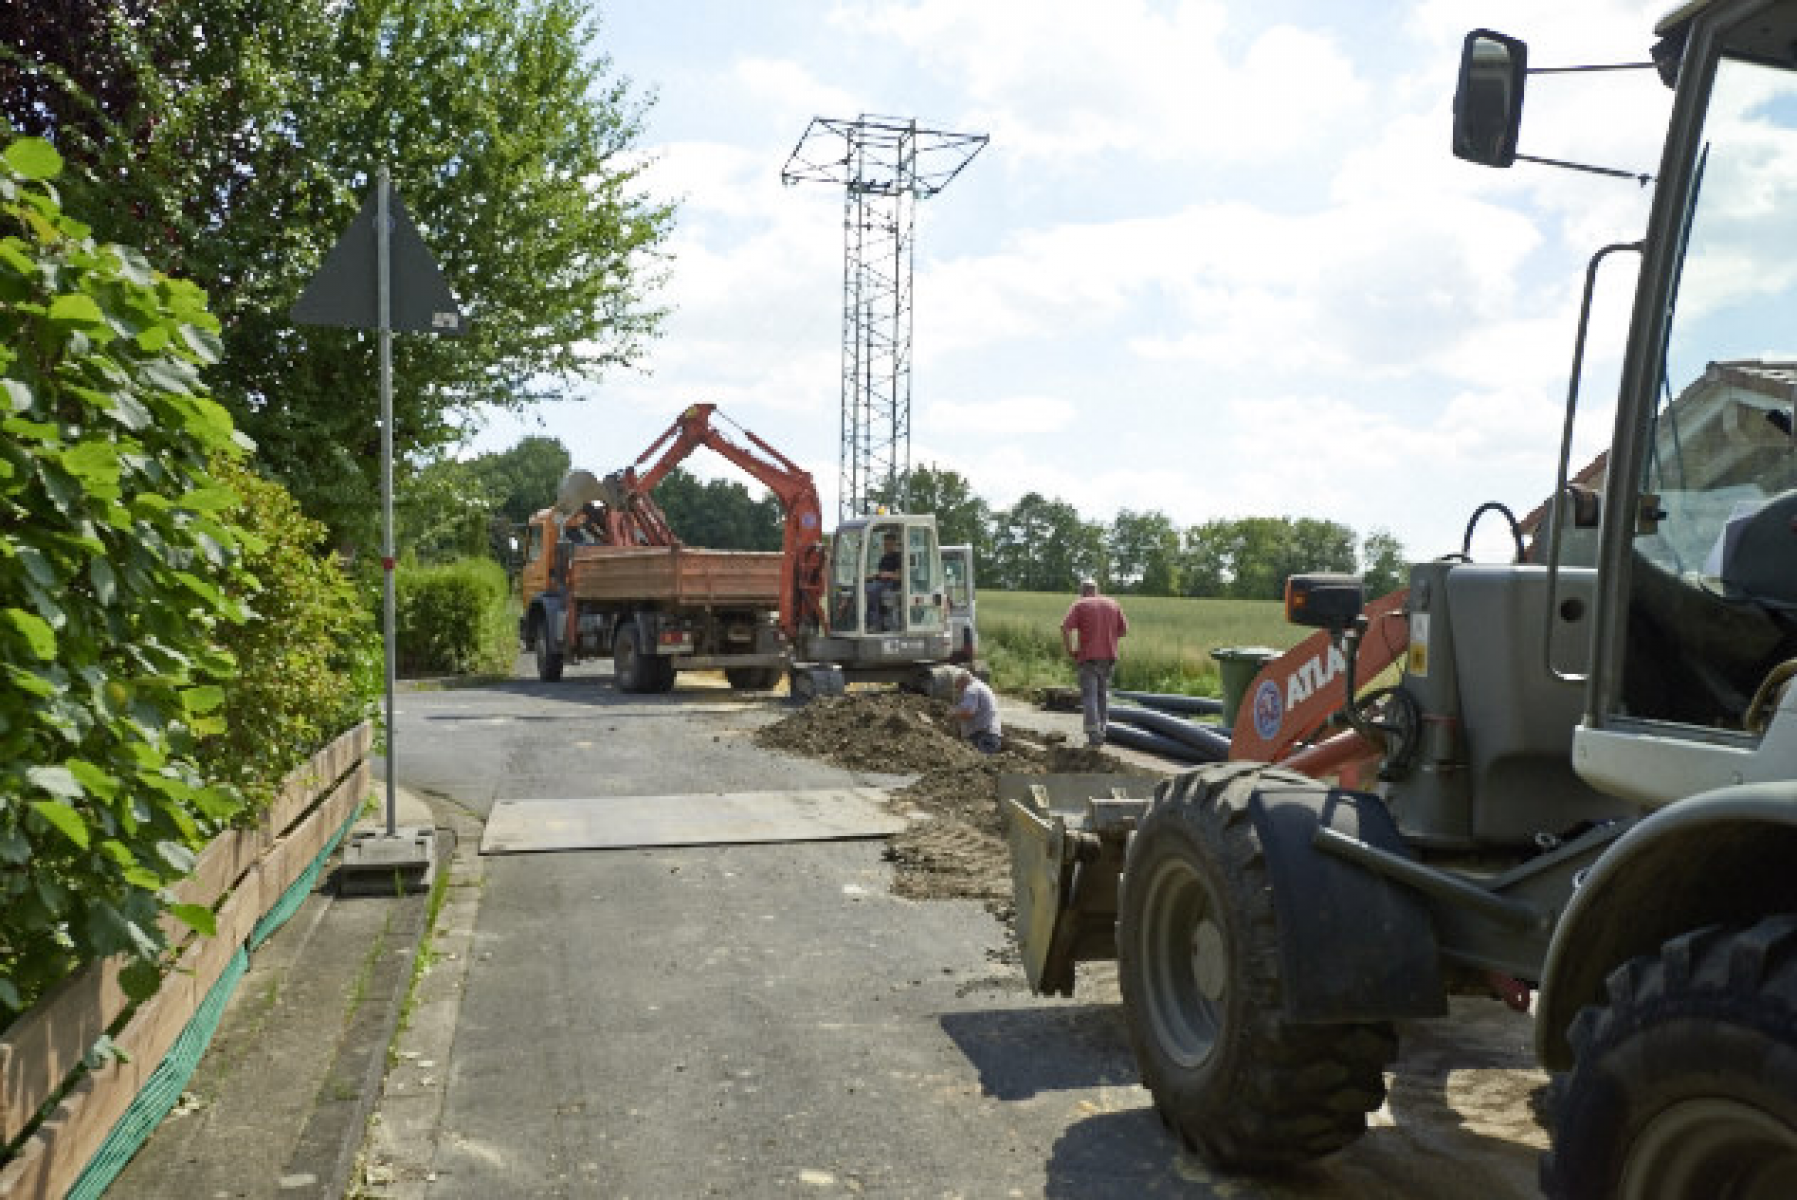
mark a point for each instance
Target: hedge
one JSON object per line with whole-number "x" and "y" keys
{"x": 455, "y": 618}
{"x": 137, "y": 553}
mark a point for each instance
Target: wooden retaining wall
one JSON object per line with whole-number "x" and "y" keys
{"x": 240, "y": 875}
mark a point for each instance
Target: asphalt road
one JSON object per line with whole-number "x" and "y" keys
{"x": 768, "y": 1021}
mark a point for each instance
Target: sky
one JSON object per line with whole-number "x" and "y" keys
{"x": 1216, "y": 260}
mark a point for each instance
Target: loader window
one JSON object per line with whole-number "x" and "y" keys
{"x": 1722, "y": 438}
{"x": 1713, "y": 591}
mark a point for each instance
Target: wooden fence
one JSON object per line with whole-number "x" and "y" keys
{"x": 241, "y": 875}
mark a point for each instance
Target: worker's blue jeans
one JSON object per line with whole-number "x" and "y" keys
{"x": 1095, "y": 696}
{"x": 878, "y": 615}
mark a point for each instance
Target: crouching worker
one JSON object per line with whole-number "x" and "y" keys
{"x": 976, "y": 711}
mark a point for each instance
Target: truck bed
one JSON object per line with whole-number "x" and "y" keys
{"x": 676, "y": 576}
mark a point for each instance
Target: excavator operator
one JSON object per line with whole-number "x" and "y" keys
{"x": 884, "y": 582}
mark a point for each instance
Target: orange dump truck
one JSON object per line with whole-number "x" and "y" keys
{"x": 656, "y": 610}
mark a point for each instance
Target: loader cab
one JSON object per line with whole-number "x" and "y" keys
{"x": 886, "y": 577}
{"x": 1706, "y": 480}
{"x": 1695, "y": 609}
{"x": 1713, "y": 551}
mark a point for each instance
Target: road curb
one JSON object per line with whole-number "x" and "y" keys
{"x": 396, "y": 1158}
{"x": 323, "y": 1162}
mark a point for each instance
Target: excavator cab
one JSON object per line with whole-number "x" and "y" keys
{"x": 886, "y": 608}
{"x": 886, "y": 578}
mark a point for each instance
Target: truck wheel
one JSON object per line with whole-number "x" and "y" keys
{"x": 752, "y": 679}
{"x": 1685, "y": 1084}
{"x": 1199, "y": 965}
{"x": 630, "y": 667}
{"x": 549, "y": 663}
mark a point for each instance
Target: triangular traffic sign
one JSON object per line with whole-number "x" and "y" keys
{"x": 345, "y": 291}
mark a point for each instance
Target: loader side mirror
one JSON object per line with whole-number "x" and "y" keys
{"x": 1488, "y": 98}
{"x": 1329, "y": 602}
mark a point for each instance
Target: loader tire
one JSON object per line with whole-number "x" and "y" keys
{"x": 549, "y": 663}
{"x": 752, "y": 679}
{"x": 631, "y": 668}
{"x": 1684, "y": 1083}
{"x": 1199, "y": 964}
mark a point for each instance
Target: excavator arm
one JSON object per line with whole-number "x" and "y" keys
{"x": 802, "y": 584}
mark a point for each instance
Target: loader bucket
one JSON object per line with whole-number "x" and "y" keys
{"x": 1067, "y": 835}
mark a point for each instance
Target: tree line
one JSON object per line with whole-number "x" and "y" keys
{"x": 1041, "y": 544}
{"x": 1037, "y": 544}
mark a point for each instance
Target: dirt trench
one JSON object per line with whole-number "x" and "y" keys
{"x": 958, "y": 852}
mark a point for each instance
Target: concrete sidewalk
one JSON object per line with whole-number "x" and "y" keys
{"x": 279, "y": 1103}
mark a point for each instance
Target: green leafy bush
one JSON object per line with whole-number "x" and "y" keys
{"x": 456, "y": 617}
{"x": 117, "y": 575}
{"x": 308, "y": 656}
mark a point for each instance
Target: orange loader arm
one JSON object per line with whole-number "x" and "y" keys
{"x": 1294, "y": 695}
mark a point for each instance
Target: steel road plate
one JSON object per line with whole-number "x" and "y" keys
{"x": 715, "y": 819}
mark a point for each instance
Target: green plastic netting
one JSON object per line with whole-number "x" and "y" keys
{"x": 170, "y": 1078}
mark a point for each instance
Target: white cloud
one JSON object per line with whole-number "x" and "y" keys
{"x": 1058, "y": 80}
{"x": 788, "y": 94}
{"x": 1010, "y": 415}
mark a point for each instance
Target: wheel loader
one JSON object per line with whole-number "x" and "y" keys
{"x": 1575, "y": 787}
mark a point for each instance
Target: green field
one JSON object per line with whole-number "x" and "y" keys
{"x": 1167, "y": 650}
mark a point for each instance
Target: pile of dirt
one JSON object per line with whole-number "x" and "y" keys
{"x": 959, "y": 851}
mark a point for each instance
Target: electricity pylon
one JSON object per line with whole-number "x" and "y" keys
{"x": 886, "y": 165}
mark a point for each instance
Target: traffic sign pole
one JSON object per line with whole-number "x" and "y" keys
{"x": 383, "y": 235}
{"x": 409, "y": 294}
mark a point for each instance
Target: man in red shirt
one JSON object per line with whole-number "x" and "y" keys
{"x": 1090, "y": 632}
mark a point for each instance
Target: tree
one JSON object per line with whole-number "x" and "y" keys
{"x": 1087, "y": 555}
{"x": 1206, "y": 558}
{"x": 442, "y": 510}
{"x": 719, "y": 514}
{"x": 1144, "y": 552}
{"x": 1384, "y": 567}
{"x": 962, "y": 518}
{"x": 450, "y": 508}
{"x": 1261, "y": 557}
{"x": 524, "y": 479}
{"x": 1041, "y": 545}
{"x": 1017, "y": 533}
{"x": 238, "y": 138}
{"x": 1319, "y": 546}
